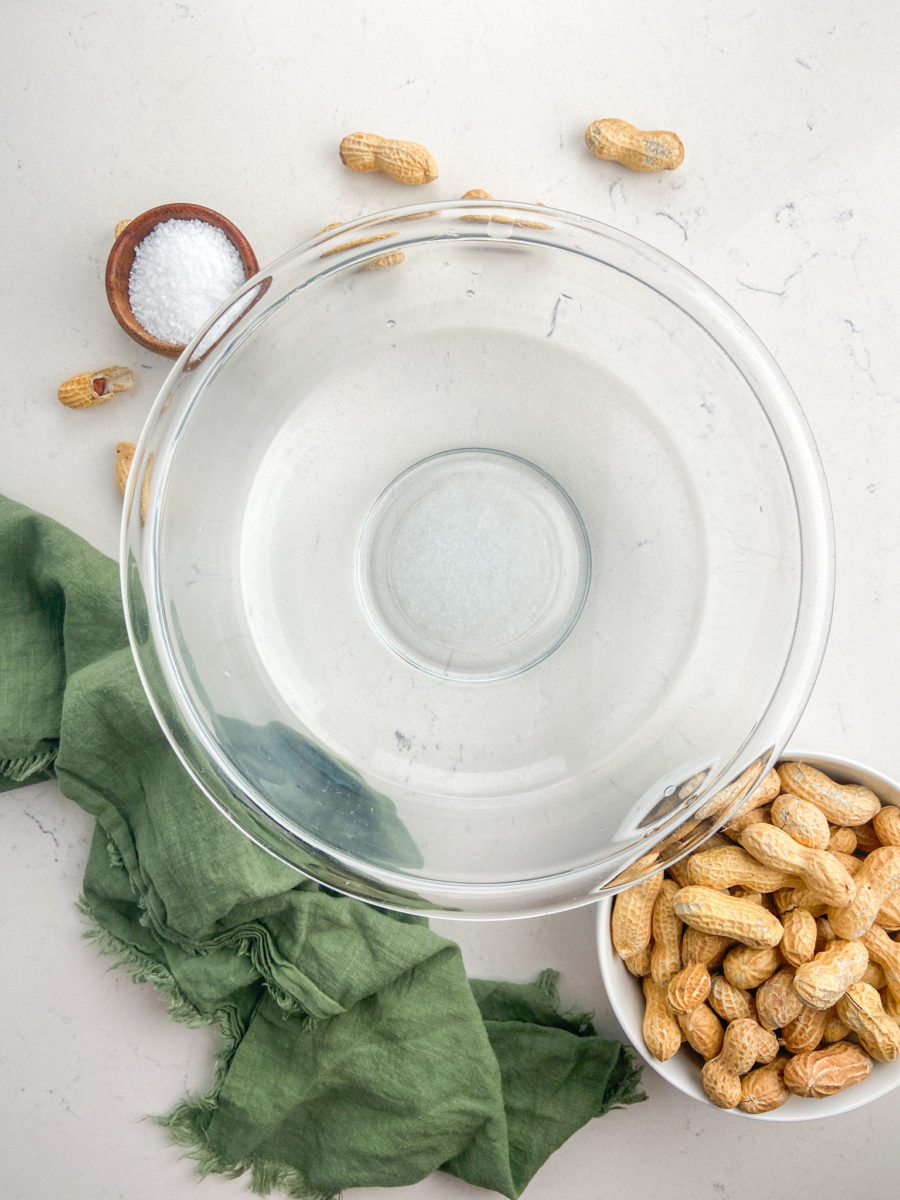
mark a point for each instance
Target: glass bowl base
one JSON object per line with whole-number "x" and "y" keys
{"x": 473, "y": 564}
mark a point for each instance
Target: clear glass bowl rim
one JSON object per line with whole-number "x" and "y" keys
{"x": 532, "y": 225}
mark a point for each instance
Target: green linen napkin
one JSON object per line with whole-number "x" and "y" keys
{"x": 355, "y": 1052}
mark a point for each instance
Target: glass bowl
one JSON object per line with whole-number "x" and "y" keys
{"x": 476, "y": 558}
{"x": 682, "y": 1071}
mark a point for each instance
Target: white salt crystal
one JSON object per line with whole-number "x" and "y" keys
{"x": 181, "y": 273}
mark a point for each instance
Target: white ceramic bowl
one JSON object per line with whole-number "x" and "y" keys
{"x": 683, "y": 1069}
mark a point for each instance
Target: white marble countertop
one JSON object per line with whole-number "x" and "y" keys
{"x": 786, "y": 204}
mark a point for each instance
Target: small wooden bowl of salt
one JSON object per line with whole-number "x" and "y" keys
{"x": 170, "y": 269}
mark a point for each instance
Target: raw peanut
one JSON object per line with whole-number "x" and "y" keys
{"x": 766, "y": 1045}
{"x": 95, "y": 387}
{"x": 849, "y": 862}
{"x": 744, "y": 1044}
{"x": 519, "y": 222}
{"x": 867, "y": 839}
{"x": 690, "y": 789}
{"x": 835, "y": 1029}
{"x": 407, "y": 162}
{"x": 393, "y": 259}
{"x": 477, "y": 194}
{"x": 636, "y": 871}
{"x": 742, "y": 893}
{"x": 889, "y": 913}
{"x": 768, "y": 901}
{"x": 806, "y": 1030}
{"x": 799, "y": 942}
{"x": 124, "y": 458}
{"x": 842, "y": 838}
{"x": 818, "y": 869}
{"x": 766, "y": 790}
{"x": 121, "y": 226}
{"x": 735, "y": 797}
{"x": 419, "y": 216}
{"x": 804, "y": 822}
{"x": 875, "y": 976}
{"x": 824, "y": 933}
{"x": 715, "y": 841}
{"x": 762, "y": 793}
{"x": 732, "y": 866}
{"x": 886, "y": 953}
{"x": 842, "y": 804}
{"x": 891, "y": 1003}
{"x": 886, "y": 824}
{"x": 877, "y": 879}
{"x": 351, "y": 245}
{"x": 799, "y": 897}
{"x": 752, "y": 816}
{"x": 145, "y": 486}
{"x": 632, "y": 916}
{"x": 639, "y": 150}
{"x": 827, "y": 1070}
{"x": 498, "y": 218}
{"x": 706, "y": 948}
{"x": 729, "y": 1002}
{"x": 821, "y": 982}
{"x": 861, "y": 1009}
{"x": 721, "y": 1082}
{"x": 702, "y": 1030}
{"x": 747, "y": 968}
{"x": 679, "y": 871}
{"x": 777, "y": 1003}
{"x": 688, "y": 988}
{"x": 712, "y": 912}
{"x": 665, "y": 958}
{"x": 639, "y": 964}
{"x": 689, "y": 834}
{"x": 763, "y": 1089}
{"x": 662, "y": 1035}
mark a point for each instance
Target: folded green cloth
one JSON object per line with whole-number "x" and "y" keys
{"x": 355, "y": 1052}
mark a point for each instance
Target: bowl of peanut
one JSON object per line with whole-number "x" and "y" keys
{"x": 761, "y": 973}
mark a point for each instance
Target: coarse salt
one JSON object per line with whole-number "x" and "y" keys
{"x": 182, "y": 272}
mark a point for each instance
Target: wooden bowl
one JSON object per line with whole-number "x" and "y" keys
{"x": 121, "y": 257}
